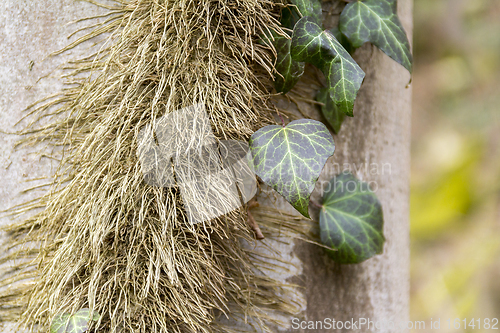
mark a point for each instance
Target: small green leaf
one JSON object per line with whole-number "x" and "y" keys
{"x": 290, "y": 70}
{"x": 77, "y": 323}
{"x": 329, "y": 110}
{"x": 320, "y": 48}
{"x": 376, "y": 21}
{"x": 311, "y": 8}
{"x": 290, "y": 159}
{"x": 59, "y": 323}
{"x": 351, "y": 220}
{"x": 85, "y": 313}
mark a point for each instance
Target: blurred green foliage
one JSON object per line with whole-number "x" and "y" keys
{"x": 455, "y": 200}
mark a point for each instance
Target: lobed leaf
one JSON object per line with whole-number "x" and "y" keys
{"x": 290, "y": 159}
{"x": 320, "y": 48}
{"x": 376, "y": 21}
{"x": 351, "y": 220}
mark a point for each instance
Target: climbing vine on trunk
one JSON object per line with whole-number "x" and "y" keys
{"x": 290, "y": 159}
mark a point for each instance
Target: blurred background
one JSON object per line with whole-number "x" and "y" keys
{"x": 455, "y": 201}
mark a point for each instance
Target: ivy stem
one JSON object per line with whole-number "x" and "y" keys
{"x": 251, "y": 220}
{"x": 282, "y": 120}
{"x": 315, "y": 204}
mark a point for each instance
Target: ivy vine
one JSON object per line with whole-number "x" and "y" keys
{"x": 290, "y": 158}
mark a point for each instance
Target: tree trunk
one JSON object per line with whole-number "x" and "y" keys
{"x": 29, "y": 31}
{"x": 376, "y": 142}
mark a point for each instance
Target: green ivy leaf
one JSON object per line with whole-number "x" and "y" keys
{"x": 329, "y": 110}
{"x": 376, "y": 21}
{"x": 289, "y": 16}
{"x": 320, "y": 48}
{"x": 311, "y": 8}
{"x": 77, "y": 323}
{"x": 290, "y": 70}
{"x": 290, "y": 159}
{"x": 342, "y": 39}
{"x": 351, "y": 220}
{"x": 59, "y": 323}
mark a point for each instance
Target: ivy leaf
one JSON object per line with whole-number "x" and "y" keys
{"x": 376, "y": 21}
{"x": 77, "y": 323}
{"x": 329, "y": 110}
{"x": 59, "y": 323}
{"x": 310, "y": 8}
{"x": 289, "y": 16}
{"x": 351, "y": 220}
{"x": 290, "y": 70}
{"x": 320, "y": 48}
{"x": 342, "y": 39}
{"x": 290, "y": 159}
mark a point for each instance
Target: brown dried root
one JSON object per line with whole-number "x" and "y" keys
{"x": 251, "y": 220}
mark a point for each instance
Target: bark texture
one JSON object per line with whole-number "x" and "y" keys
{"x": 29, "y": 32}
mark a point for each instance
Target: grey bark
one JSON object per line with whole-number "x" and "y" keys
{"x": 29, "y": 31}
{"x": 379, "y": 135}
